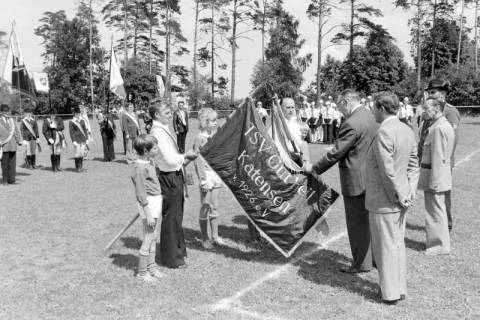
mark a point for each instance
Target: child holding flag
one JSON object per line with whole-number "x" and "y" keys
{"x": 149, "y": 198}
{"x": 210, "y": 183}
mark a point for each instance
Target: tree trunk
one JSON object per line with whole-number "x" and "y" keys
{"x": 319, "y": 51}
{"x": 350, "y": 56}
{"x": 460, "y": 36}
{"x": 135, "y": 31}
{"x": 168, "y": 89}
{"x": 195, "y": 39}
{"x": 476, "y": 36}
{"x": 90, "y": 52}
{"x": 125, "y": 53}
{"x": 150, "y": 39}
{"x": 234, "y": 51}
{"x": 432, "y": 74}
{"x": 419, "y": 46}
{"x": 213, "y": 49}
{"x": 263, "y": 30}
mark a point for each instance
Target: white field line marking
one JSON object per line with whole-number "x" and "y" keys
{"x": 253, "y": 314}
{"x": 467, "y": 158}
{"x": 226, "y": 303}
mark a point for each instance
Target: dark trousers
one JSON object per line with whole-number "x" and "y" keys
{"x": 124, "y": 142}
{"x": 172, "y": 242}
{"x": 9, "y": 163}
{"x": 108, "y": 150}
{"x": 181, "y": 141}
{"x": 358, "y": 231}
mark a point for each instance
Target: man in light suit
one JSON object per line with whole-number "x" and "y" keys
{"x": 180, "y": 125}
{"x": 9, "y": 139}
{"x": 355, "y": 136}
{"x": 436, "y": 176}
{"x": 390, "y": 186}
{"x": 131, "y": 127}
{"x": 438, "y": 89}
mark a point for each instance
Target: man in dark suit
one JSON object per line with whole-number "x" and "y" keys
{"x": 78, "y": 134}
{"x": 180, "y": 125}
{"x": 9, "y": 139}
{"x": 131, "y": 127}
{"x": 355, "y": 136}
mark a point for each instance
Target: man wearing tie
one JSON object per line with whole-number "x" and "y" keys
{"x": 355, "y": 136}
{"x": 79, "y": 136}
{"x": 390, "y": 185}
{"x": 169, "y": 163}
{"x": 180, "y": 125}
{"x": 29, "y": 129}
{"x": 131, "y": 127}
{"x": 9, "y": 139}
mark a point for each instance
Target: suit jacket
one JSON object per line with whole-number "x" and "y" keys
{"x": 26, "y": 134}
{"x": 354, "y": 138}
{"x": 130, "y": 126}
{"x": 5, "y": 130}
{"x": 392, "y": 167}
{"x": 178, "y": 125}
{"x": 435, "y": 167}
{"x": 51, "y": 133}
{"x": 107, "y": 127}
{"x": 77, "y": 135}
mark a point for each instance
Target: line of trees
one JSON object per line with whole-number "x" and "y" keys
{"x": 152, "y": 41}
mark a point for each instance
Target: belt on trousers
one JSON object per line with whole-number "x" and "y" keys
{"x": 426, "y": 166}
{"x": 159, "y": 172}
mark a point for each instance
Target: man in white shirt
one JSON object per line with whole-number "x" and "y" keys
{"x": 262, "y": 112}
{"x": 169, "y": 163}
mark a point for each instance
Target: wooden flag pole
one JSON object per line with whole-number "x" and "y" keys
{"x": 121, "y": 232}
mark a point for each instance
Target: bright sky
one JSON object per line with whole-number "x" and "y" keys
{"x": 27, "y": 13}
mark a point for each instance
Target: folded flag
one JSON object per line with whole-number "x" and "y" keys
{"x": 282, "y": 204}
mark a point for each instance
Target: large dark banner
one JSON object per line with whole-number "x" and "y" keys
{"x": 283, "y": 205}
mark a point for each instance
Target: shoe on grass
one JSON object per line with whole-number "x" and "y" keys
{"x": 147, "y": 277}
{"x": 207, "y": 245}
{"x": 156, "y": 273}
{"x": 219, "y": 241}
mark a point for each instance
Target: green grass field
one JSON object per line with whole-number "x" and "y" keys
{"x": 54, "y": 226}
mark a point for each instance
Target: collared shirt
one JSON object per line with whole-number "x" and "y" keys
{"x": 355, "y": 108}
{"x": 168, "y": 158}
{"x": 294, "y": 128}
{"x": 389, "y": 118}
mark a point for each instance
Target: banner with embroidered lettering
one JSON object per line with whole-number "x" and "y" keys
{"x": 284, "y": 206}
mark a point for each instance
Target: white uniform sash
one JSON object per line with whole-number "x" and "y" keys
{"x": 133, "y": 119}
{"x": 80, "y": 127}
{"x": 29, "y": 127}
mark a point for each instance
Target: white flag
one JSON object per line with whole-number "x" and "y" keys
{"x": 41, "y": 82}
{"x": 8, "y": 67}
{"x": 160, "y": 85}
{"x": 116, "y": 81}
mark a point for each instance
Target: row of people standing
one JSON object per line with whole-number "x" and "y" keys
{"x": 323, "y": 120}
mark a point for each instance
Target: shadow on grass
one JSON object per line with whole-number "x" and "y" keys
{"x": 415, "y": 227}
{"x": 126, "y": 261}
{"x": 131, "y": 242}
{"x": 322, "y": 268}
{"x": 414, "y": 245}
{"x": 240, "y": 219}
{"x": 22, "y": 174}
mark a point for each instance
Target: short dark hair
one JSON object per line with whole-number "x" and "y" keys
{"x": 437, "y": 103}
{"x": 387, "y": 101}
{"x": 144, "y": 143}
{"x": 76, "y": 109}
{"x": 349, "y": 95}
